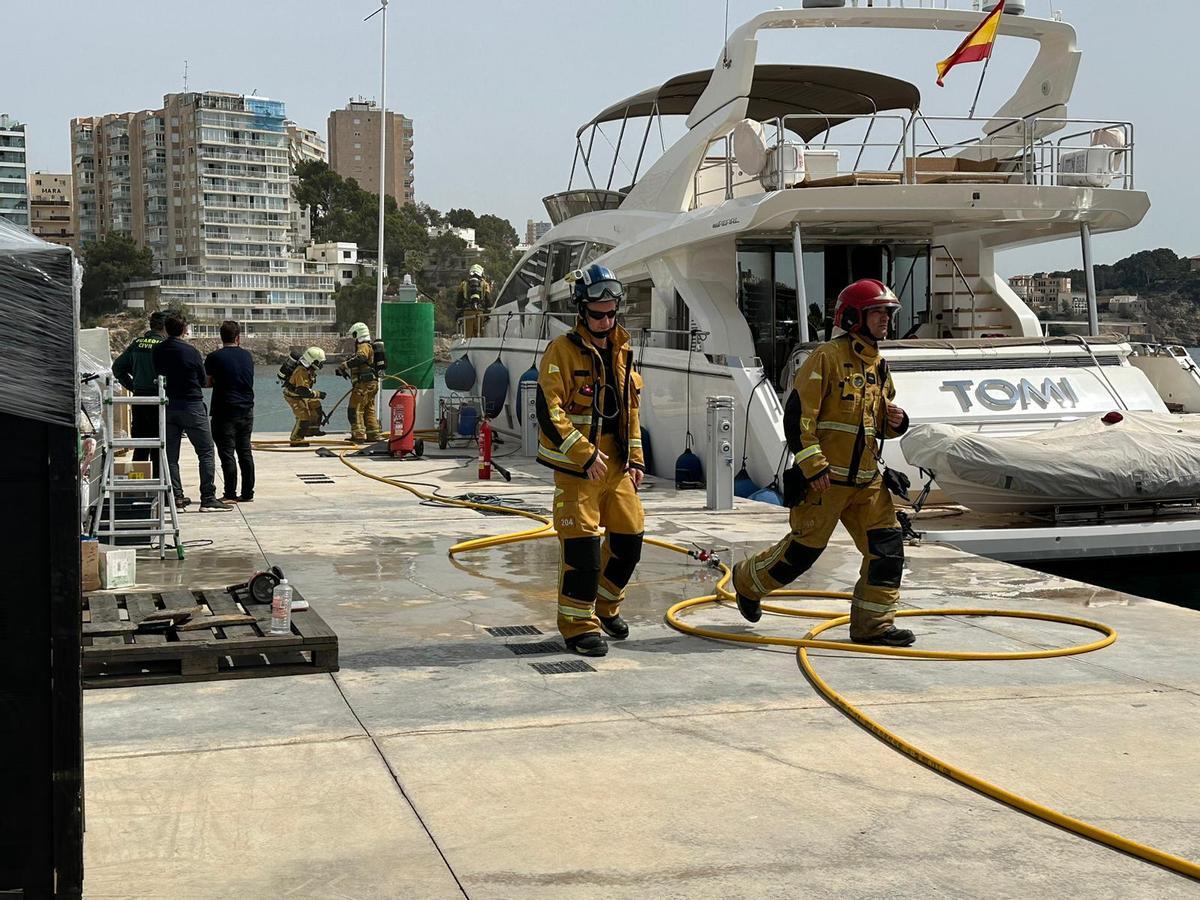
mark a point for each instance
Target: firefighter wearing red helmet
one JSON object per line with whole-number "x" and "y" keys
{"x": 839, "y": 408}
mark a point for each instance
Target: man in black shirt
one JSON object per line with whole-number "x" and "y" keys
{"x": 231, "y": 374}
{"x": 134, "y": 368}
{"x": 183, "y": 368}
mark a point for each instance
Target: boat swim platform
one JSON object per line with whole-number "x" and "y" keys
{"x": 441, "y": 762}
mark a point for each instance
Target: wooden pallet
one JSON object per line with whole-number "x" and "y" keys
{"x": 117, "y": 654}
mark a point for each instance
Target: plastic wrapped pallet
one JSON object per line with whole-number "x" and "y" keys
{"x": 41, "y": 776}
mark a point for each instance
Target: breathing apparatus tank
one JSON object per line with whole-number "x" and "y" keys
{"x": 380, "y": 358}
{"x": 288, "y": 366}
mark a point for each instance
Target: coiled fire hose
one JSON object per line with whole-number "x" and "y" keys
{"x": 812, "y": 640}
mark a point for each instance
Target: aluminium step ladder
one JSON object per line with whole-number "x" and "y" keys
{"x": 164, "y": 517}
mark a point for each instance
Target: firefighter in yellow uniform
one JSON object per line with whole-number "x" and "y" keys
{"x": 474, "y": 297}
{"x": 302, "y": 396}
{"x": 839, "y": 407}
{"x": 363, "y": 371}
{"x": 590, "y": 435}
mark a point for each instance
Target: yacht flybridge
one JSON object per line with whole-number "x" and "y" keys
{"x": 790, "y": 181}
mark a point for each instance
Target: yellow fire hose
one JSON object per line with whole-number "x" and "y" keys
{"x": 812, "y": 640}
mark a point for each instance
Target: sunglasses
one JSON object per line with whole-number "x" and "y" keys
{"x": 597, "y": 315}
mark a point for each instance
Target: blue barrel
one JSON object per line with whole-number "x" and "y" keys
{"x": 468, "y": 419}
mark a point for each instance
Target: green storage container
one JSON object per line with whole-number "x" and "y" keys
{"x": 408, "y": 339}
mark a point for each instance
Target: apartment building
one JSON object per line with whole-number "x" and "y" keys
{"x": 50, "y": 216}
{"x": 1043, "y": 293}
{"x": 354, "y": 148}
{"x": 206, "y": 184}
{"x": 535, "y": 231}
{"x": 14, "y": 198}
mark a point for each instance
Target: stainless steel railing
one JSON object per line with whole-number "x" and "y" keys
{"x": 919, "y": 149}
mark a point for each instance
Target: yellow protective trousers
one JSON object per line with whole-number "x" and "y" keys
{"x": 364, "y": 421}
{"x": 308, "y": 416}
{"x": 869, "y": 516}
{"x": 599, "y": 525}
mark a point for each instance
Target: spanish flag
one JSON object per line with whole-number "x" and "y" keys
{"x": 977, "y": 45}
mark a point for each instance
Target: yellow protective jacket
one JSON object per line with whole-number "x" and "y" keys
{"x": 838, "y": 410}
{"x": 361, "y": 366}
{"x": 300, "y": 382}
{"x": 571, "y": 379}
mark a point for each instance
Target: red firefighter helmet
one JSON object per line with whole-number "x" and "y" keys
{"x": 855, "y": 299}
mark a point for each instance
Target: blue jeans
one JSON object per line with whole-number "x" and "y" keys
{"x": 192, "y": 420}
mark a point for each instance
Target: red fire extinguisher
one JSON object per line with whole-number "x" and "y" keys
{"x": 404, "y": 418}
{"x": 485, "y": 451}
{"x": 486, "y": 463}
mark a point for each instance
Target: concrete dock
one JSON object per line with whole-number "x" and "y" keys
{"x": 437, "y": 763}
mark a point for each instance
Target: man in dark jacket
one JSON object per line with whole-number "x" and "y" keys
{"x": 134, "y": 368}
{"x": 183, "y": 368}
{"x": 231, "y": 374}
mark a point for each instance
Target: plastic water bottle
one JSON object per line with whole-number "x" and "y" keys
{"x": 281, "y": 608}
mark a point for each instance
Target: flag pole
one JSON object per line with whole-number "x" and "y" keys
{"x": 982, "y": 75}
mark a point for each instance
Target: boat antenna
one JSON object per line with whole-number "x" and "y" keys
{"x": 726, "y": 62}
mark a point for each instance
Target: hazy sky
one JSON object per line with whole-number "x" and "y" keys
{"x": 497, "y": 88}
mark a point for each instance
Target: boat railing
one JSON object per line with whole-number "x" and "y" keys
{"x": 916, "y": 149}
{"x": 1097, "y": 153}
{"x": 505, "y": 319}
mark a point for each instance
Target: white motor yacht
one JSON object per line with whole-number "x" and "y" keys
{"x": 790, "y": 181}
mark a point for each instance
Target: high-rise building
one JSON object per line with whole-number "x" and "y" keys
{"x": 354, "y": 149}
{"x": 205, "y": 183}
{"x": 305, "y": 144}
{"x": 14, "y": 199}
{"x": 535, "y": 231}
{"x": 50, "y": 216}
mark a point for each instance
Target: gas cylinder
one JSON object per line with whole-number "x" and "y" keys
{"x": 404, "y": 417}
{"x": 485, "y": 451}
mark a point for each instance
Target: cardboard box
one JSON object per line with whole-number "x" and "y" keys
{"x": 89, "y": 557}
{"x": 118, "y": 567}
{"x": 140, "y": 469}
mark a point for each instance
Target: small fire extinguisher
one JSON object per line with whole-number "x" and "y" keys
{"x": 486, "y": 463}
{"x": 485, "y": 451}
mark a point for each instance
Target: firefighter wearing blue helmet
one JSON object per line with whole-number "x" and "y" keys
{"x": 590, "y": 435}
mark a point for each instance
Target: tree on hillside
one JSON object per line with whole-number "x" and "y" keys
{"x": 495, "y": 232}
{"x": 462, "y": 218}
{"x": 355, "y": 302}
{"x": 107, "y": 264}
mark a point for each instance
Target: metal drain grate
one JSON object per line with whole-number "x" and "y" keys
{"x": 562, "y": 668}
{"x": 315, "y": 478}
{"x": 512, "y": 630}
{"x": 536, "y": 647}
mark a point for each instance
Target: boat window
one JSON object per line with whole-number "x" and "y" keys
{"x": 678, "y": 321}
{"x": 767, "y": 299}
{"x": 910, "y": 280}
{"x": 637, "y": 306}
{"x": 529, "y": 274}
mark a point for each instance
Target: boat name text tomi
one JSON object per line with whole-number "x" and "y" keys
{"x": 1000, "y": 395}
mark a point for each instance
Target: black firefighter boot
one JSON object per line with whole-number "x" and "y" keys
{"x": 892, "y": 637}
{"x": 590, "y": 643}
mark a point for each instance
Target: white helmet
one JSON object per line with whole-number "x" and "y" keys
{"x": 360, "y": 332}
{"x": 476, "y": 269}
{"x": 313, "y": 356}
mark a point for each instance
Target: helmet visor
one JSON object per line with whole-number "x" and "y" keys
{"x": 601, "y": 289}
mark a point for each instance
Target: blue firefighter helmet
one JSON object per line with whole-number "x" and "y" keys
{"x": 597, "y": 282}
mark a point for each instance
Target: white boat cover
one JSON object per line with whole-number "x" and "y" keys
{"x": 1144, "y": 456}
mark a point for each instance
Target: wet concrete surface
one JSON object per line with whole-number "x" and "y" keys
{"x": 439, "y": 763}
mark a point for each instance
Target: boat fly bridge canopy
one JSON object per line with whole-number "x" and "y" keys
{"x": 754, "y": 129}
